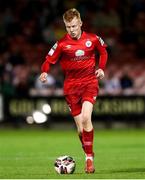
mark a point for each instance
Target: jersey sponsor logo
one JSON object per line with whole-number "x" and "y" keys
{"x": 52, "y": 49}
{"x": 88, "y": 43}
{"x": 80, "y": 58}
{"x": 79, "y": 53}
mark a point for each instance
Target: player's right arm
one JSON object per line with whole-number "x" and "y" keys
{"x": 51, "y": 58}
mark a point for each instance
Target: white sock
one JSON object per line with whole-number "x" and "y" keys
{"x": 89, "y": 157}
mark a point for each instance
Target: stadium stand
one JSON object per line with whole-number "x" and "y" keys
{"x": 29, "y": 28}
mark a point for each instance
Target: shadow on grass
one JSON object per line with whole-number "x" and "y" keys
{"x": 101, "y": 173}
{"x": 127, "y": 170}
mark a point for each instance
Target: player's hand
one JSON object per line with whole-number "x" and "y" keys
{"x": 43, "y": 77}
{"x": 99, "y": 73}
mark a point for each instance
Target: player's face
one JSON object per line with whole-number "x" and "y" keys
{"x": 74, "y": 28}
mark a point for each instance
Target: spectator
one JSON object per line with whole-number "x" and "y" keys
{"x": 126, "y": 84}
{"x": 112, "y": 84}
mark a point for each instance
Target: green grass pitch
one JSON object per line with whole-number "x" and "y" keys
{"x": 30, "y": 154}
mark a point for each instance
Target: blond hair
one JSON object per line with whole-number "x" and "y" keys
{"x": 70, "y": 14}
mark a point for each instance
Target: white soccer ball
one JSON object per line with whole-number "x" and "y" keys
{"x": 65, "y": 165}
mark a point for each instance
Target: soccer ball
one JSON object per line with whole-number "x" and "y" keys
{"x": 64, "y": 165}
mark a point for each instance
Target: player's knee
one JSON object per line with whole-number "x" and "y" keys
{"x": 85, "y": 118}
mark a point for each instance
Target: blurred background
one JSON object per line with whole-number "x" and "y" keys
{"x": 29, "y": 28}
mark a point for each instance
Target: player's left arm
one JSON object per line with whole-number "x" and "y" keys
{"x": 103, "y": 55}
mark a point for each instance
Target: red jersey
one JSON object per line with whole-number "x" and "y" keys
{"x": 77, "y": 57}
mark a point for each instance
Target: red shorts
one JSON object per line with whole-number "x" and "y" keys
{"x": 84, "y": 92}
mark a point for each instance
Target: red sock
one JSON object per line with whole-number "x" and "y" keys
{"x": 81, "y": 139}
{"x": 88, "y": 142}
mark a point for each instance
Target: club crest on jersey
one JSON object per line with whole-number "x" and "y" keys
{"x": 79, "y": 53}
{"x": 88, "y": 43}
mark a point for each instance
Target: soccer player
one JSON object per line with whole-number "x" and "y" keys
{"x": 76, "y": 54}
